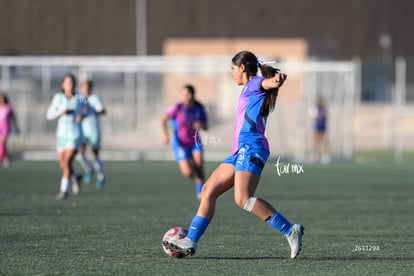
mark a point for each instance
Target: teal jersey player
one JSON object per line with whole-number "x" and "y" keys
{"x": 91, "y": 133}
{"x": 91, "y": 129}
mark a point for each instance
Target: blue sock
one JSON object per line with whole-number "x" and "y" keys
{"x": 280, "y": 223}
{"x": 197, "y": 227}
{"x": 198, "y": 187}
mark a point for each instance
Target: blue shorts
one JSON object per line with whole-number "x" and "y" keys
{"x": 248, "y": 159}
{"x": 184, "y": 153}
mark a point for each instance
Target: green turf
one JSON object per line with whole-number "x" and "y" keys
{"x": 358, "y": 219}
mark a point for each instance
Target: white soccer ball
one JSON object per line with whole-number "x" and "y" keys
{"x": 175, "y": 233}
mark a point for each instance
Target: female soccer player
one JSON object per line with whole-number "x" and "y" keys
{"x": 7, "y": 118}
{"x": 320, "y": 141}
{"x": 242, "y": 169}
{"x": 66, "y": 106}
{"x": 91, "y": 134}
{"x": 188, "y": 117}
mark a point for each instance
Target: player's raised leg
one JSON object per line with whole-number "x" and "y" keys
{"x": 245, "y": 185}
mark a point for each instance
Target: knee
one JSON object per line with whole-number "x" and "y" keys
{"x": 240, "y": 200}
{"x": 187, "y": 173}
{"x": 62, "y": 164}
{"x": 209, "y": 193}
{"x": 245, "y": 202}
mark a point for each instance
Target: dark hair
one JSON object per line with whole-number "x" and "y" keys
{"x": 249, "y": 60}
{"x": 5, "y": 97}
{"x": 73, "y": 79}
{"x": 90, "y": 84}
{"x": 269, "y": 102}
{"x": 190, "y": 89}
{"x": 251, "y": 63}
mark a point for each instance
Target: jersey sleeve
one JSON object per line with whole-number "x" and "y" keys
{"x": 172, "y": 111}
{"x": 257, "y": 86}
{"x": 97, "y": 104}
{"x": 54, "y": 110}
{"x": 203, "y": 114}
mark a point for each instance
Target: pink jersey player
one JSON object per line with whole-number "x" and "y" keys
{"x": 7, "y": 117}
{"x": 187, "y": 117}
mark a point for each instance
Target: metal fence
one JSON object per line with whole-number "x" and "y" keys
{"x": 138, "y": 89}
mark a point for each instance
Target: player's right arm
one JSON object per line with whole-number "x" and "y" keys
{"x": 164, "y": 132}
{"x": 54, "y": 110}
{"x": 99, "y": 106}
{"x": 171, "y": 113}
{"x": 275, "y": 82}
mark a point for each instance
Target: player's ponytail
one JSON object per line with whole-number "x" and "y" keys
{"x": 269, "y": 102}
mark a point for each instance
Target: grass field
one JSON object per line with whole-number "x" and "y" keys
{"x": 359, "y": 220}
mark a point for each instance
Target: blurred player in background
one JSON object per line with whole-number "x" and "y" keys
{"x": 66, "y": 106}
{"x": 320, "y": 150}
{"x": 7, "y": 120}
{"x": 242, "y": 169}
{"x": 188, "y": 117}
{"x": 91, "y": 134}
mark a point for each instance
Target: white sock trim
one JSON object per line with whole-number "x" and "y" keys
{"x": 248, "y": 206}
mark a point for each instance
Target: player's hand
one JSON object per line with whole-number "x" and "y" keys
{"x": 279, "y": 78}
{"x": 197, "y": 125}
{"x": 165, "y": 139}
{"x": 66, "y": 111}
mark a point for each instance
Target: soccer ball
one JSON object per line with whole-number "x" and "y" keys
{"x": 175, "y": 233}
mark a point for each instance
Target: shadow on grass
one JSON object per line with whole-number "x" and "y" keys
{"x": 314, "y": 258}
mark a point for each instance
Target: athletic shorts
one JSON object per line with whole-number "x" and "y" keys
{"x": 93, "y": 140}
{"x": 65, "y": 143}
{"x": 248, "y": 159}
{"x": 184, "y": 153}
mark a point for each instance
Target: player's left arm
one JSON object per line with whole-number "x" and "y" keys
{"x": 101, "y": 112}
{"x": 202, "y": 121}
{"x": 275, "y": 82}
{"x": 99, "y": 107}
{"x": 14, "y": 121}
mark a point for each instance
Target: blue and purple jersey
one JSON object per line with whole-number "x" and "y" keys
{"x": 183, "y": 119}
{"x": 250, "y": 125}
{"x": 320, "y": 120}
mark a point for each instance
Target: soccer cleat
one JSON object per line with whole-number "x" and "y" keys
{"x": 61, "y": 196}
{"x": 295, "y": 239}
{"x": 184, "y": 247}
{"x": 100, "y": 183}
{"x": 76, "y": 187}
{"x": 88, "y": 177}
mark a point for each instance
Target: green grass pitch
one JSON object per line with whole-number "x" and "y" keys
{"x": 358, "y": 218}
